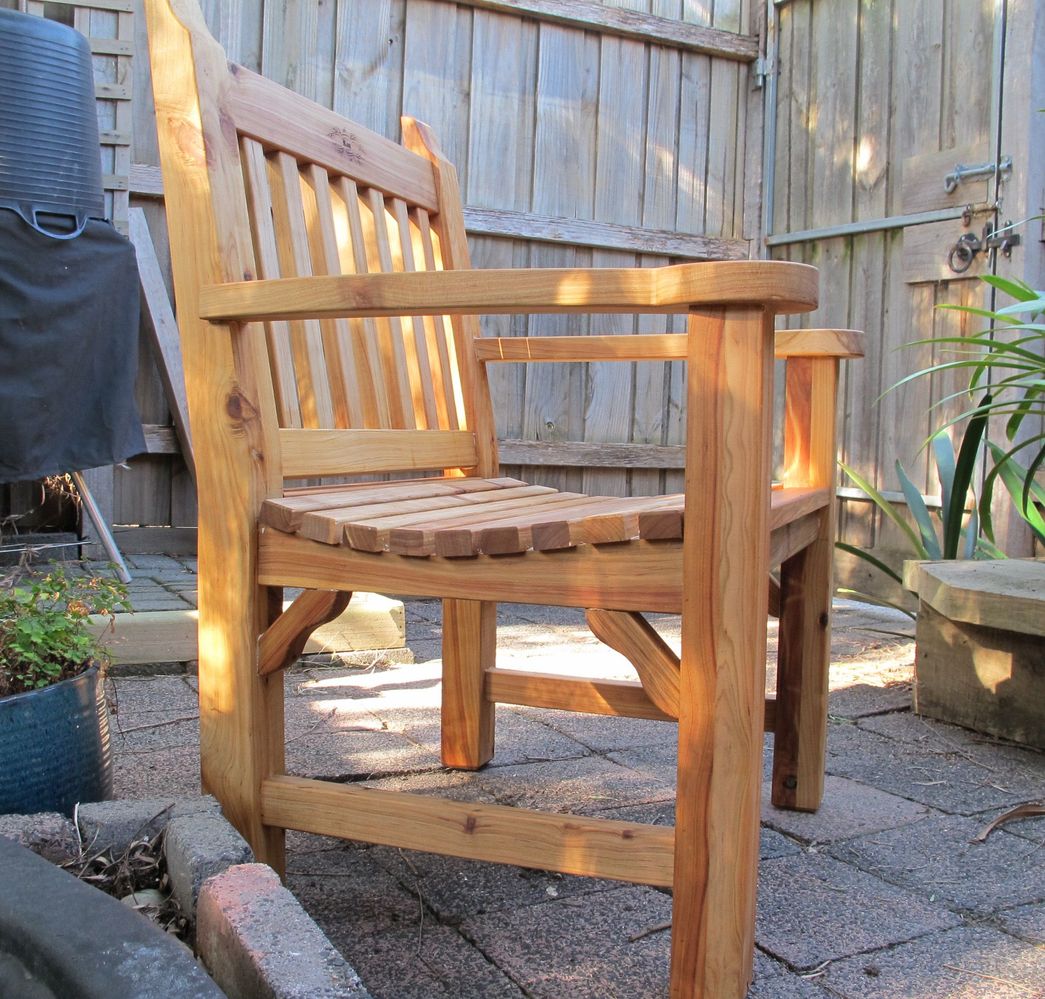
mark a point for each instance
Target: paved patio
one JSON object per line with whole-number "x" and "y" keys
{"x": 883, "y": 893}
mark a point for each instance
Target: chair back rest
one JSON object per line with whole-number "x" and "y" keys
{"x": 263, "y": 183}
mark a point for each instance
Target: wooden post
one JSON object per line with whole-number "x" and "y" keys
{"x": 1022, "y": 132}
{"x": 232, "y": 413}
{"x": 469, "y": 647}
{"x": 721, "y": 710}
{"x": 800, "y": 728}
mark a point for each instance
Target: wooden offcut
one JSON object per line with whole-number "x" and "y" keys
{"x": 980, "y": 646}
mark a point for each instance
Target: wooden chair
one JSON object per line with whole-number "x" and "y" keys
{"x": 327, "y": 313}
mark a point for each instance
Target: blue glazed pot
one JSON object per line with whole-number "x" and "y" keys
{"x": 54, "y": 747}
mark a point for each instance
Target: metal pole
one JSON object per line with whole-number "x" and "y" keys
{"x": 108, "y": 541}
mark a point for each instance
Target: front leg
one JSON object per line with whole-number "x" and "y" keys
{"x": 469, "y": 648}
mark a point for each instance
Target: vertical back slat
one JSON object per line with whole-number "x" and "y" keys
{"x": 295, "y": 261}
{"x": 435, "y": 341}
{"x": 352, "y": 252}
{"x": 418, "y": 368}
{"x": 277, "y": 334}
{"x": 447, "y": 379}
{"x": 344, "y": 377}
{"x": 390, "y": 330}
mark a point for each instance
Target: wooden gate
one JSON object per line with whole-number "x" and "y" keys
{"x": 877, "y": 104}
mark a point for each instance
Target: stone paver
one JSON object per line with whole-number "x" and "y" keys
{"x": 873, "y": 881}
{"x": 584, "y": 948}
{"x": 939, "y": 858}
{"x": 813, "y": 909}
{"x": 944, "y": 779}
{"x": 1026, "y": 922}
{"x": 848, "y": 809}
{"x": 964, "y": 963}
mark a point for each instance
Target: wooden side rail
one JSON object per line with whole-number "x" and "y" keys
{"x": 572, "y": 844}
{"x": 780, "y": 286}
{"x": 655, "y": 346}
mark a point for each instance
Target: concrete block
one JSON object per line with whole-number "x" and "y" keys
{"x": 435, "y": 962}
{"x": 1026, "y": 922}
{"x": 941, "y": 777}
{"x": 113, "y": 825}
{"x": 258, "y": 943}
{"x": 78, "y": 941}
{"x": 48, "y": 834}
{"x": 196, "y": 848}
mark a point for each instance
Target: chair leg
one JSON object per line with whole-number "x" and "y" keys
{"x": 800, "y": 732}
{"x": 241, "y": 713}
{"x": 469, "y": 641}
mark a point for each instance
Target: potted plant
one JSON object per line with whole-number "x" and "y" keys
{"x": 54, "y": 726}
{"x": 980, "y": 640}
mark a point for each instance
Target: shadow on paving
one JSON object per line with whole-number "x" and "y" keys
{"x": 879, "y": 894}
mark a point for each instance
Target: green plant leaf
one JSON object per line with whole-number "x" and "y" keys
{"x": 870, "y": 559}
{"x": 887, "y": 508}
{"x": 1018, "y": 289}
{"x": 867, "y": 598}
{"x": 964, "y": 468}
{"x": 1032, "y": 305}
{"x": 920, "y": 512}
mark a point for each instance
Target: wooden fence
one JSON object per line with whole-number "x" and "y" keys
{"x": 634, "y": 132}
{"x": 877, "y": 102}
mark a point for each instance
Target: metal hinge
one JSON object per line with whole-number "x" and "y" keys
{"x": 761, "y": 71}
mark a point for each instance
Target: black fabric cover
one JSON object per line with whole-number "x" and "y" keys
{"x": 68, "y": 350}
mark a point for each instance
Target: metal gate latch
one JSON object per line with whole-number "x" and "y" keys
{"x": 1002, "y": 238}
{"x": 962, "y": 172}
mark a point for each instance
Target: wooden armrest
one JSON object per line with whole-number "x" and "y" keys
{"x": 783, "y": 286}
{"x": 655, "y": 346}
{"x": 820, "y": 343}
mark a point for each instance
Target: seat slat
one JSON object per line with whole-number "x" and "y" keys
{"x": 506, "y": 535}
{"x": 617, "y": 521}
{"x": 373, "y": 535}
{"x": 285, "y": 514}
{"x": 329, "y": 526}
{"x": 514, "y": 527}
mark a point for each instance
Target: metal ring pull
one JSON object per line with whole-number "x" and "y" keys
{"x": 964, "y": 252}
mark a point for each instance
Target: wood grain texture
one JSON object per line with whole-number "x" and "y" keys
{"x": 626, "y": 698}
{"x": 467, "y": 716}
{"x": 633, "y": 637}
{"x": 806, "y": 587}
{"x": 624, "y": 851}
{"x": 630, "y": 24}
{"x": 284, "y": 640}
{"x": 726, "y": 560}
{"x": 241, "y": 714}
{"x": 646, "y": 576}
{"x": 345, "y": 452}
{"x": 784, "y": 287}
